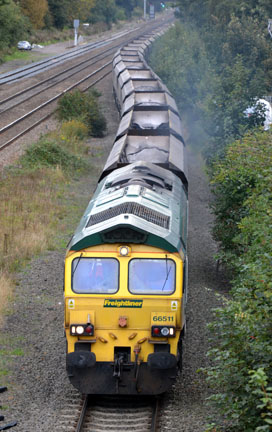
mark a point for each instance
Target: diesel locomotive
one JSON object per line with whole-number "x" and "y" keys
{"x": 126, "y": 264}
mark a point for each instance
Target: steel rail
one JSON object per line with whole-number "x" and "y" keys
{"x": 80, "y": 422}
{"x": 50, "y": 85}
{"x": 29, "y": 128}
{"x": 3, "y": 129}
{"x": 79, "y": 52}
{"x": 88, "y": 415}
{"x": 32, "y": 87}
{"x": 19, "y": 93}
{"x": 155, "y": 415}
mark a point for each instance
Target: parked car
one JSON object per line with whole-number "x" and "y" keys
{"x": 261, "y": 109}
{"x": 24, "y": 45}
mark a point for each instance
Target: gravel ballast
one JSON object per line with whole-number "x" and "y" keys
{"x": 38, "y": 385}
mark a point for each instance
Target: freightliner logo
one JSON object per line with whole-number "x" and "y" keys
{"x": 123, "y": 303}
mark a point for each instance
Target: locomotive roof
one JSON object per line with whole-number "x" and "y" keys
{"x": 139, "y": 203}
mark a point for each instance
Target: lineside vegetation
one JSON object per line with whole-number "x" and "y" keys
{"x": 217, "y": 62}
{"x": 31, "y": 205}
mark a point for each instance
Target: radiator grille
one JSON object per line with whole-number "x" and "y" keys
{"x": 130, "y": 208}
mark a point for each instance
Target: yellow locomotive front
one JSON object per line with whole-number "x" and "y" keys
{"x": 123, "y": 318}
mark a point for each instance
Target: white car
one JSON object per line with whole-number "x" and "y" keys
{"x": 24, "y": 45}
{"x": 267, "y": 112}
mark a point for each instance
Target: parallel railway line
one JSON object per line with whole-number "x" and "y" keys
{"x": 23, "y": 109}
{"x": 37, "y": 67}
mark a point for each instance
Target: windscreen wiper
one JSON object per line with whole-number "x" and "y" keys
{"x": 77, "y": 265}
{"x": 167, "y": 273}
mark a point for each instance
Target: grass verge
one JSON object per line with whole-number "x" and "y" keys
{"x": 39, "y": 208}
{"x": 30, "y": 204}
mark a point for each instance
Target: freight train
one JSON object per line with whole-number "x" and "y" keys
{"x": 126, "y": 265}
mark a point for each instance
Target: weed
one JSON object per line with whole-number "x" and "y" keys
{"x": 6, "y": 288}
{"x": 46, "y": 153}
{"x": 74, "y": 129}
{"x": 17, "y": 352}
{"x": 9, "y": 350}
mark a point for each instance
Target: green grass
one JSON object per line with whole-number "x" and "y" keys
{"x": 14, "y": 352}
{"x": 9, "y": 349}
{"x": 17, "y": 55}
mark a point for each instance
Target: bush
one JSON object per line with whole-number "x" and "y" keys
{"x": 83, "y": 107}
{"x": 241, "y": 360}
{"x": 46, "y": 153}
{"x": 74, "y": 129}
{"x": 234, "y": 180}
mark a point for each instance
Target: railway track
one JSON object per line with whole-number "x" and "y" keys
{"x": 115, "y": 414}
{"x": 22, "y": 109}
{"x": 37, "y": 67}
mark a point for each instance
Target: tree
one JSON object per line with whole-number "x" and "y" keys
{"x": 13, "y": 25}
{"x": 58, "y": 10}
{"x": 104, "y": 11}
{"x": 127, "y": 5}
{"x": 35, "y": 11}
{"x": 80, "y": 9}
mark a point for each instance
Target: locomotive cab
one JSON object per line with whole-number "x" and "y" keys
{"x": 124, "y": 314}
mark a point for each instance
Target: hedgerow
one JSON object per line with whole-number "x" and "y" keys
{"x": 242, "y": 329}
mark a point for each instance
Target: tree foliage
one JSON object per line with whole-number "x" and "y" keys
{"x": 80, "y": 9}
{"x": 104, "y": 11}
{"x": 35, "y": 11}
{"x": 13, "y": 25}
{"x": 58, "y": 11}
{"x": 241, "y": 369}
{"x": 128, "y": 6}
{"x": 233, "y": 36}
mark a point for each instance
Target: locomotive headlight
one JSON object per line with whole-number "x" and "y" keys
{"x": 124, "y": 251}
{"x": 79, "y": 330}
{"x": 82, "y": 330}
{"x": 165, "y": 331}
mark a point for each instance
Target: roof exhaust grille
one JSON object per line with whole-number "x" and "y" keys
{"x": 130, "y": 208}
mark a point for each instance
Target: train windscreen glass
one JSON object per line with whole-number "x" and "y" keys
{"x": 95, "y": 275}
{"x": 152, "y": 276}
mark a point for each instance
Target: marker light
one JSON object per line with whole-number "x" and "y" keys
{"x": 156, "y": 330}
{"x": 89, "y": 329}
